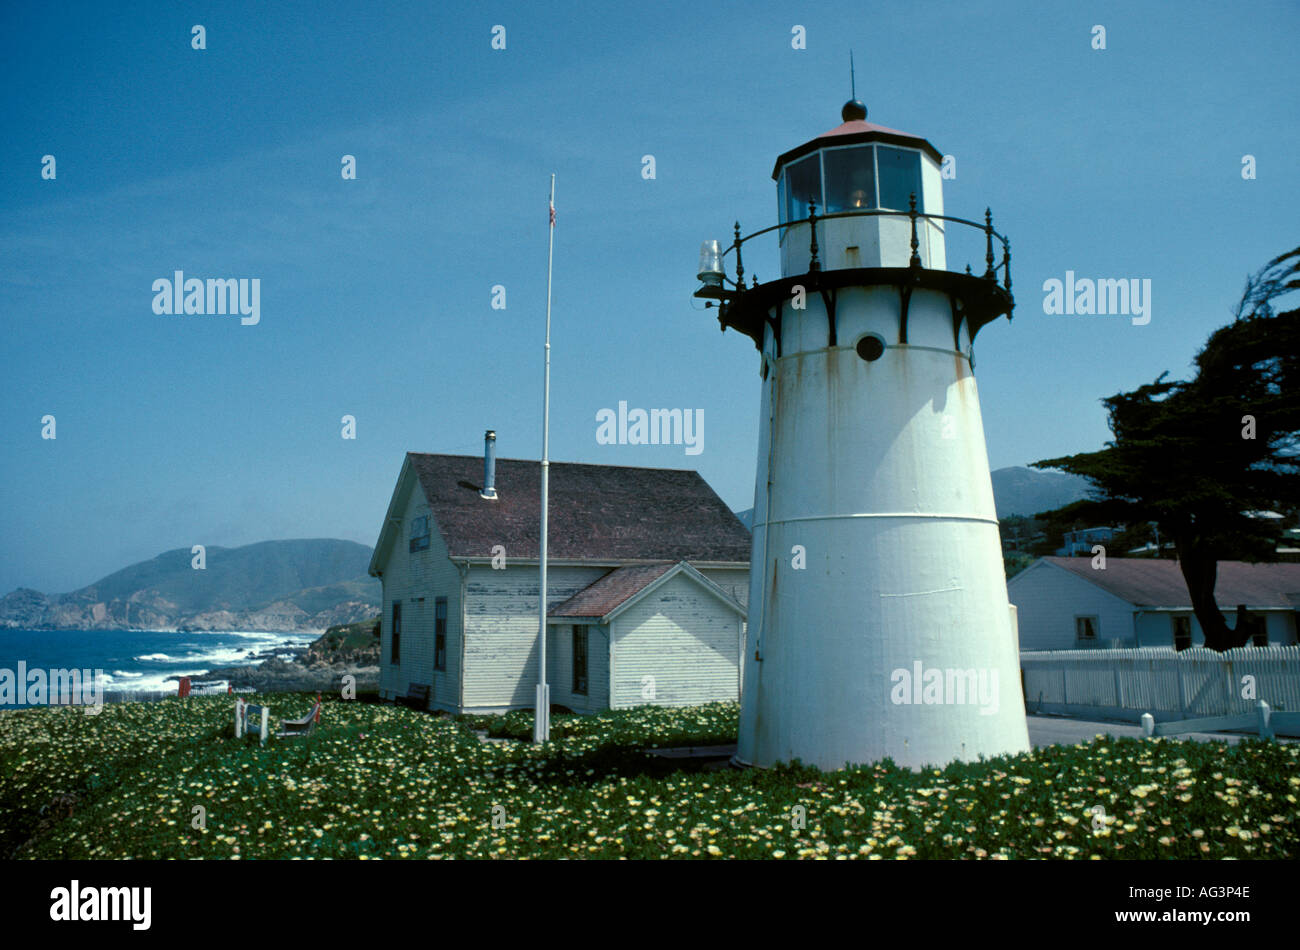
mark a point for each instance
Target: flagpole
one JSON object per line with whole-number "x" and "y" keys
{"x": 542, "y": 715}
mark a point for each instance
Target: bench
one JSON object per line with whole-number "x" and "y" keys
{"x": 291, "y": 728}
{"x": 417, "y": 696}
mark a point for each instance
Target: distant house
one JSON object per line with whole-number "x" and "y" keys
{"x": 648, "y": 575}
{"x": 1063, "y": 603}
{"x": 1082, "y": 540}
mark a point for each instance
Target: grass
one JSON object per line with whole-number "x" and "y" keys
{"x": 379, "y": 781}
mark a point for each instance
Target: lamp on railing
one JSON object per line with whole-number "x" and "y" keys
{"x": 711, "y": 264}
{"x": 711, "y": 272}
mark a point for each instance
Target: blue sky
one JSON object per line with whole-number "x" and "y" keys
{"x": 376, "y": 292}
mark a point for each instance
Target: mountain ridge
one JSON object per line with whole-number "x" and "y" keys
{"x": 293, "y": 585}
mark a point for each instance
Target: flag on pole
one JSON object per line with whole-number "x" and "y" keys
{"x": 552, "y": 214}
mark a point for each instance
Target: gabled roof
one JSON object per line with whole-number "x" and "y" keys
{"x": 596, "y": 512}
{"x": 1158, "y": 582}
{"x": 621, "y": 587}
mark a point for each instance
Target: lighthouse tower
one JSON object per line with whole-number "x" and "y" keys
{"x": 878, "y": 615}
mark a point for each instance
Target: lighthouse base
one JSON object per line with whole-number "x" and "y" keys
{"x": 905, "y": 650}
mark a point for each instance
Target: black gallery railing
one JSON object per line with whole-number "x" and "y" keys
{"x": 990, "y": 273}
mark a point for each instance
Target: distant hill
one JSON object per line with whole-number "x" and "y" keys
{"x": 1016, "y": 491}
{"x": 1027, "y": 491}
{"x": 272, "y": 585}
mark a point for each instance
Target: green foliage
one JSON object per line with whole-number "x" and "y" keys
{"x": 380, "y": 781}
{"x": 361, "y": 635}
{"x": 1022, "y": 535}
{"x": 1013, "y": 564}
{"x": 710, "y": 724}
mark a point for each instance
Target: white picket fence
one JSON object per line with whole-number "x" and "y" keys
{"x": 1265, "y": 723}
{"x": 1196, "y": 683}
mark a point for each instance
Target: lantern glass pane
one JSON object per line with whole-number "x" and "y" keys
{"x": 850, "y": 179}
{"x": 803, "y": 183}
{"x": 900, "y": 177}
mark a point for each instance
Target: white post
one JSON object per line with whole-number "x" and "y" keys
{"x": 1148, "y": 725}
{"x": 542, "y": 712}
{"x": 1264, "y": 714}
{"x": 239, "y": 717}
{"x": 1182, "y": 693}
{"x": 266, "y": 712}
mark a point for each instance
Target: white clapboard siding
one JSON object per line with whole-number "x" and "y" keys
{"x": 1155, "y": 628}
{"x": 734, "y": 582}
{"x": 1181, "y": 685}
{"x": 1048, "y": 598}
{"x": 409, "y": 576}
{"x": 559, "y": 668}
{"x": 501, "y": 630}
{"x": 683, "y": 636}
{"x": 1283, "y": 628}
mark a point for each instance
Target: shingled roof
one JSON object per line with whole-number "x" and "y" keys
{"x": 1158, "y": 582}
{"x": 596, "y": 512}
{"x": 607, "y": 593}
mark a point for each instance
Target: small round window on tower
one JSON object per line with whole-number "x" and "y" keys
{"x": 871, "y": 348}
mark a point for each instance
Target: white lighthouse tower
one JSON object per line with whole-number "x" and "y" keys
{"x": 878, "y": 615}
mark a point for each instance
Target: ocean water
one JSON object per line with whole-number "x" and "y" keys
{"x": 136, "y": 660}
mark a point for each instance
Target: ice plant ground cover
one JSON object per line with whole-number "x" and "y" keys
{"x": 378, "y": 781}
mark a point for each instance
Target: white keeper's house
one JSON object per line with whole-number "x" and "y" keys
{"x": 647, "y": 579}
{"x": 1063, "y": 603}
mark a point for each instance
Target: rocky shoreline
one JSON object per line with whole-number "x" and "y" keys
{"x": 341, "y": 651}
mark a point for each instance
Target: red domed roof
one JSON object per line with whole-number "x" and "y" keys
{"x": 853, "y": 132}
{"x": 862, "y": 125}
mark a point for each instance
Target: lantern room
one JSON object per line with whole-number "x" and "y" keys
{"x": 859, "y": 178}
